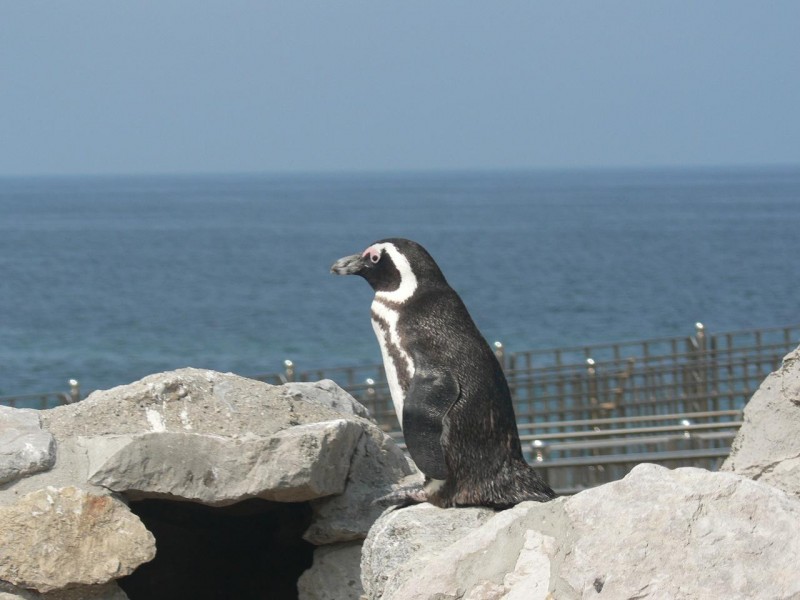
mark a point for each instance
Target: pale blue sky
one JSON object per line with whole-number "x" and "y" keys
{"x": 178, "y": 86}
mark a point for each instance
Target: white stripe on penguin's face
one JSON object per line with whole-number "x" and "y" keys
{"x": 408, "y": 281}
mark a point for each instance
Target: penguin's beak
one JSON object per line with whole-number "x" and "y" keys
{"x": 349, "y": 265}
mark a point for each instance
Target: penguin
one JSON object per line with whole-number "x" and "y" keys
{"x": 449, "y": 392}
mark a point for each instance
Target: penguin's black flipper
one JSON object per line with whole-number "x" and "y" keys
{"x": 430, "y": 396}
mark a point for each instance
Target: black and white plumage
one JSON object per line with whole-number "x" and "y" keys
{"x": 449, "y": 392}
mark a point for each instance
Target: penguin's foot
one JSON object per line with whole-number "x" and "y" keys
{"x": 404, "y": 496}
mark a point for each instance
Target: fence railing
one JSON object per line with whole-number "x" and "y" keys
{"x": 697, "y": 372}
{"x": 574, "y": 455}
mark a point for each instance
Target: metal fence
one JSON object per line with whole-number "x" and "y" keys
{"x": 646, "y": 395}
{"x": 692, "y": 373}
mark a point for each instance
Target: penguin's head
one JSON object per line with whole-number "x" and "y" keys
{"x": 392, "y": 266}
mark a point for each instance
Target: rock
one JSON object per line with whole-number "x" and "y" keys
{"x": 335, "y": 574}
{"x": 24, "y": 447}
{"x": 12, "y": 592}
{"x": 108, "y": 591}
{"x": 378, "y": 465}
{"x": 767, "y": 447}
{"x": 402, "y": 543}
{"x": 295, "y": 465}
{"x": 326, "y": 393}
{"x": 656, "y": 533}
{"x": 191, "y": 401}
{"x": 531, "y": 575}
{"x": 54, "y": 538}
{"x": 686, "y": 533}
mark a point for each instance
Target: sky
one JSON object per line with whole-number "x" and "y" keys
{"x": 173, "y": 86}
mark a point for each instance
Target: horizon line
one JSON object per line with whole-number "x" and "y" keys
{"x": 402, "y": 171}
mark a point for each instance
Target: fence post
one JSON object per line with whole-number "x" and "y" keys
{"x": 500, "y": 353}
{"x": 618, "y": 401}
{"x": 369, "y": 399}
{"x": 74, "y": 391}
{"x": 700, "y": 336}
{"x": 289, "y": 369}
{"x": 592, "y": 387}
{"x": 696, "y": 390}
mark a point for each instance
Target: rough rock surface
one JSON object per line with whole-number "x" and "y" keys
{"x": 108, "y": 591}
{"x": 43, "y": 539}
{"x": 767, "y": 447}
{"x": 194, "y": 435}
{"x": 401, "y": 540}
{"x": 335, "y": 574}
{"x": 295, "y": 465}
{"x": 684, "y": 533}
{"x": 24, "y": 447}
{"x": 326, "y": 393}
{"x": 656, "y": 533}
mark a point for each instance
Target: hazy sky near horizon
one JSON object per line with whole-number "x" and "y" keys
{"x": 92, "y": 86}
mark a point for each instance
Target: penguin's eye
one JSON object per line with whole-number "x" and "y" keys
{"x": 374, "y": 254}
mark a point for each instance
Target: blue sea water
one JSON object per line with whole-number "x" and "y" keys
{"x": 108, "y": 279}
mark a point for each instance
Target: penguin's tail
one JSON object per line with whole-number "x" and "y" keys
{"x": 530, "y": 483}
{"x": 516, "y": 482}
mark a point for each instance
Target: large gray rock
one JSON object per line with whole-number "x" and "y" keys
{"x": 335, "y": 574}
{"x": 656, "y": 533}
{"x": 294, "y": 465}
{"x": 402, "y": 541}
{"x": 767, "y": 447}
{"x": 686, "y": 533}
{"x": 24, "y": 447}
{"x": 55, "y": 538}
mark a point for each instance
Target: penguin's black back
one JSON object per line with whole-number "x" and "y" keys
{"x": 442, "y": 337}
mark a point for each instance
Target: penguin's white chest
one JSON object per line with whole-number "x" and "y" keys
{"x": 396, "y": 361}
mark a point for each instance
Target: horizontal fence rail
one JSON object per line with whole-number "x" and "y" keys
{"x": 675, "y": 401}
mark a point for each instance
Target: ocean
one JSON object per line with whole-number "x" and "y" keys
{"x": 109, "y": 279}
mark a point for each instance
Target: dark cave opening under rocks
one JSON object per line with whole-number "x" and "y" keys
{"x": 252, "y": 550}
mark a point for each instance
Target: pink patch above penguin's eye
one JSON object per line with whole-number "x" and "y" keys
{"x": 374, "y": 254}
